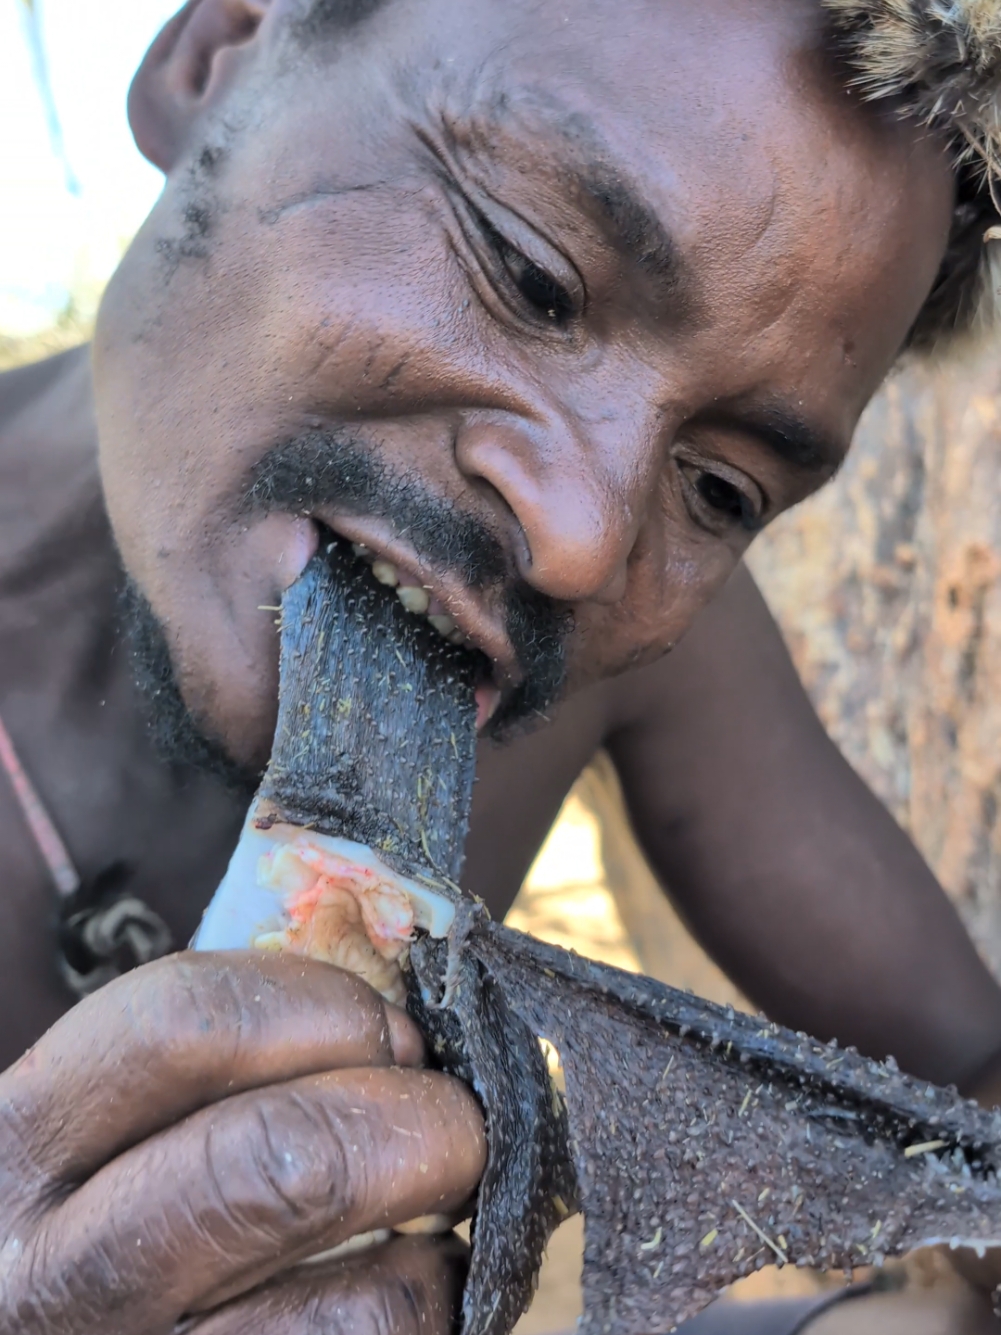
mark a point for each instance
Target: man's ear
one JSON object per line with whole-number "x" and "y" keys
{"x": 183, "y": 69}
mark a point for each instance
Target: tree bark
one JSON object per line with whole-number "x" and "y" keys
{"x": 887, "y": 585}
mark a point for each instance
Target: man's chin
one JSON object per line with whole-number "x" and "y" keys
{"x": 176, "y": 734}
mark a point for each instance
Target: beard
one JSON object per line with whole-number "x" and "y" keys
{"x": 334, "y": 468}
{"x": 176, "y": 735}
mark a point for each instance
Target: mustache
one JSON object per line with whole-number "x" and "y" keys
{"x": 335, "y": 467}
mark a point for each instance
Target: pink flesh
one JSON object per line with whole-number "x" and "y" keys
{"x": 385, "y": 910}
{"x": 487, "y": 700}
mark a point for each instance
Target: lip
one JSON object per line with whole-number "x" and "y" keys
{"x": 481, "y": 625}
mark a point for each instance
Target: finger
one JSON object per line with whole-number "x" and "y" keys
{"x": 177, "y": 1035}
{"x": 245, "y": 1188}
{"x": 412, "y": 1286}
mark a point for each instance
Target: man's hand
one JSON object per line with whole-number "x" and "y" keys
{"x": 410, "y": 1286}
{"x": 206, "y": 1122}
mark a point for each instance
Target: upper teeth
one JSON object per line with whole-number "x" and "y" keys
{"x": 414, "y": 598}
{"x": 442, "y": 623}
{"x": 386, "y": 573}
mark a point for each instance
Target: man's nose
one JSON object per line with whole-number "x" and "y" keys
{"x": 578, "y": 510}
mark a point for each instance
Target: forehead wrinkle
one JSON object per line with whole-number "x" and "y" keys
{"x": 630, "y": 223}
{"x": 629, "y": 217}
{"x": 640, "y": 231}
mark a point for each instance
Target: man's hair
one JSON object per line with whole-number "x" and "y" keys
{"x": 940, "y": 63}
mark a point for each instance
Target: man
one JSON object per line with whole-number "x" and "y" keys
{"x": 598, "y": 290}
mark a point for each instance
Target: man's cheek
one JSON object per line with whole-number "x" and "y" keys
{"x": 227, "y": 673}
{"x": 669, "y": 586}
{"x": 218, "y": 610}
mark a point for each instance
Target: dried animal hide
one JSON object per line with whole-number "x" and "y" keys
{"x": 697, "y": 1142}
{"x": 705, "y": 1143}
{"x": 376, "y": 732}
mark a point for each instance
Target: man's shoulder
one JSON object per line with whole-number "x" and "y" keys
{"x": 47, "y": 423}
{"x": 26, "y": 391}
{"x": 49, "y": 485}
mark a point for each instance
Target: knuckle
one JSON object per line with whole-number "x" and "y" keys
{"x": 342, "y": 1301}
{"x": 186, "y": 1004}
{"x": 177, "y": 1000}
{"x": 387, "y": 1305}
{"x": 295, "y": 1161}
{"x": 395, "y": 1308}
{"x": 25, "y": 1187}
{"x": 76, "y": 1292}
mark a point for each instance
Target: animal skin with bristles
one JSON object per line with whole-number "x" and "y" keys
{"x": 700, "y": 1144}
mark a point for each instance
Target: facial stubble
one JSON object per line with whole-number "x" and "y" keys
{"x": 334, "y": 469}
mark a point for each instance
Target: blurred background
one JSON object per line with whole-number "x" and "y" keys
{"x": 887, "y": 585}
{"x": 72, "y": 185}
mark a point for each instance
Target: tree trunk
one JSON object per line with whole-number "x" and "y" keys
{"x": 888, "y": 588}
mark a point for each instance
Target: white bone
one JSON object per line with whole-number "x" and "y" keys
{"x": 243, "y": 909}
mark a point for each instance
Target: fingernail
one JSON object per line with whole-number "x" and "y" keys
{"x": 427, "y": 1224}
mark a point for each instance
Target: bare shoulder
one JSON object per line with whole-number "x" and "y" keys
{"x": 40, "y": 392}
{"x": 48, "y": 452}
{"x": 68, "y": 700}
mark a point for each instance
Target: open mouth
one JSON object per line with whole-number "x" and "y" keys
{"x": 416, "y": 598}
{"x": 403, "y": 580}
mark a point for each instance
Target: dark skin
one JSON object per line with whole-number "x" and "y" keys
{"x": 716, "y": 737}
{"x": 621, "y": 451}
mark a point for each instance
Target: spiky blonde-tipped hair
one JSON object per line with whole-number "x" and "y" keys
{"x": 940, "y": 63}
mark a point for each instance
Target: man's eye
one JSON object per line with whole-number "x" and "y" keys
{"x": 722, "y": 496}
{"x": 540, "y": 289}
{"x": 717, "y": 503}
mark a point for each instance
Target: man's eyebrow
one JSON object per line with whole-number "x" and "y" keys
{"x": 629, "y": 222}
{"x": 788, "y": 435}
{"x": 632, "y": 224}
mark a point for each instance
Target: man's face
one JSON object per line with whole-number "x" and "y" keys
{"x": 604, "y": 286}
